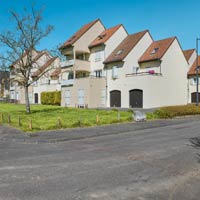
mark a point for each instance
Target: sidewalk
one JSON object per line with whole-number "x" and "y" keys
{"x": 13, "y": 135}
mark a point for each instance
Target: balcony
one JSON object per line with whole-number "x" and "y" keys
{"x": 67, "y": 63}
{"x": 67, "y": 82}
{"x": 79, "y": 65}
{"x": 12, "y": 87}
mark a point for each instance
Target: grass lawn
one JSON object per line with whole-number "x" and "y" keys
{"x": 55, "y": 117}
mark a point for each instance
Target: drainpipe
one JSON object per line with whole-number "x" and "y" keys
{"x": 74, "y": 58}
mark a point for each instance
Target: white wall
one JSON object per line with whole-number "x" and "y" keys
{"x": 170, "y": 88}
{"x": 107, "y": 49}
{"x": 83, "y": 42}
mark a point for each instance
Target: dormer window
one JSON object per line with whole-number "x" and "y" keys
{"x": 100, "y": 37}
{"x": 119, "y": 52}
{"x": 154, "y": 51}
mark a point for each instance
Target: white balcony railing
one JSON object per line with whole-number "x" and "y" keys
{"x": 80, "y": 65}
{"x": 67, "y": 82}
{"x": 67, "y": 63}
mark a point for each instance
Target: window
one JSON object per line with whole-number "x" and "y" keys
{"x": 99, "y": 56}
{"x": 103, "y": 97}
{"x": 114, "y": 72}
{"x": 119, "y": 52}
{"x": 67, "y": 97}
{"x": 193, "y": 81}
{"x": 71, "y": 75}
{"x": 154, "y": 51}
{"x": 98, "y": 73}
{"x": 135, "y": 70}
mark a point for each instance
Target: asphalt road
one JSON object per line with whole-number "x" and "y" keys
{"x": 154, "y": 163}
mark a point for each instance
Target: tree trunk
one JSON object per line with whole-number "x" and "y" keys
{"x": 28, "y": 109}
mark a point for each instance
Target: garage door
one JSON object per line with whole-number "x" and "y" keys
{"x": 136, "y": 98}
{"x": 115, "y": 98}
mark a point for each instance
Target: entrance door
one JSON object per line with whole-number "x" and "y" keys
{"x": 194, "y": 97}
{"x": 136, "y": 98}
{"x": 115, "y": 98}
{"x": 36, "y": 97}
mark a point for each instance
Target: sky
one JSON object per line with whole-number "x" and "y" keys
{"x": 163, "y": 18}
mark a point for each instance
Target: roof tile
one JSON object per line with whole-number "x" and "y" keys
{"x": 104, "y": 36}
{"x": 42, "y": 68}
{"x": 125, "y": 47}
{"x": 78, "y": 34}
{"x": 188, "y": 53}
{"x": 156, "y": 50}
{"x": 192, "y": 70}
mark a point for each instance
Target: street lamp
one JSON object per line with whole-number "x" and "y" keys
{"x": 197, "y": 73}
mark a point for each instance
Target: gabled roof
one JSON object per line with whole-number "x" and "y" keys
{"x": 43, "y": 67}
{"x": 37, "y": 57}
{"x": 56, "y": 72}
{"x": 104, "y": 36}
{"x": 192, "y": 70}
{"x": 188, "y": 53}
{"x": 156, "y": 50}
{"x": 125, "y": 47}
{"x": 78, "y": 34}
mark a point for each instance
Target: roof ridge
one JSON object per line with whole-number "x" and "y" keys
{"x": 104, "y": 36}
{"x": 76, "y": 36}
{"x": 124, "y": 48}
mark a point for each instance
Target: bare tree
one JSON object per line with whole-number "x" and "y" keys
{"x": 19, "y": 46}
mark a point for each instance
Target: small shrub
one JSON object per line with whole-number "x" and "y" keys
{"x": 51, "y": 98}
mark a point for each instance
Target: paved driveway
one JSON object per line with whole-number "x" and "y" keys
{"x": 151, "y": 163}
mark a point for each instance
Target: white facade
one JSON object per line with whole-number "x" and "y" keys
{"x": 166, "y": 86}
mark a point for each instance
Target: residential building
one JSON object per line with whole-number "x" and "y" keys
{"x": 42, "y": 78}
{"x": 83, "y": 77}
{"x": 191, "y": 57}
{"x": 146, "y": 74}
{"x": 4, "y": 83}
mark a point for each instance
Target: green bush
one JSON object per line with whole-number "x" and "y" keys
{"x": 175, "y": 111}
{"x": 51, "y": 98}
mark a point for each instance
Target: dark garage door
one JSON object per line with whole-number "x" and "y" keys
{"x": 193, "y": 97}
{"x": 115, "y": 98}
{"x": 136, "y": 98}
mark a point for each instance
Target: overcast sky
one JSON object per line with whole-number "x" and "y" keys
{"x": 163, "y": 18}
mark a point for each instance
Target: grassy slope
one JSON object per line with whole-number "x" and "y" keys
{"x": 46, "y": 117}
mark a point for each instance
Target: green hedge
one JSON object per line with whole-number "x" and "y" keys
{"x": 175, "y": 111}
{"x": 51, "y": 98}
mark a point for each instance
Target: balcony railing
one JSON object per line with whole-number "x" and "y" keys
{"x": 67, "y": 82}
{"x": 80, "y": 65}
{"x": 67, "y": 63}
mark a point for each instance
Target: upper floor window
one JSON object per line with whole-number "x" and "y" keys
{"x": 99, "y": 55}
{"x": 115, "y": 72}
{"x": 98, "y": 73}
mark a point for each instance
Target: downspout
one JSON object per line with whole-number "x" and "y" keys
{"x": 74, "y": 58}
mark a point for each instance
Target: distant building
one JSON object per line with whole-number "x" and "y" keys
{"x": 4, "y": 83}
{"x": 44, "y": 74}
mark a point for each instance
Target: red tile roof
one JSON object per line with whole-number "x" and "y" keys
{"x": 125, "y": 47}
{"x": 78, "y": 34}
{"x": 45, "y": 66}
{"x": 156, "y": 50}
{"x": 104, "y": 36}
{"x": 56, "y": 72}
{"x": 192, "y": 70}
{"x": 188, "y": 53}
